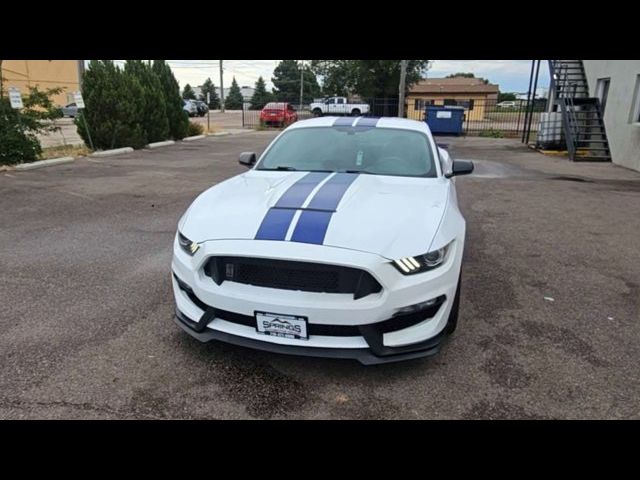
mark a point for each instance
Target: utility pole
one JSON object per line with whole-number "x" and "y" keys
{"x": 401, "y": 87}
{"x": 301, "y": 81}
{"x": 221, "y": 90}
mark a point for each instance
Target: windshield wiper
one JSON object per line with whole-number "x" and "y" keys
{"x": 358, "y": 171}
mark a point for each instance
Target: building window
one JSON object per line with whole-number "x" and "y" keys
{"x": 449, "y": 101}
{"x": 467, "y": 104}
{"x": 635, "y": 106}
{"x": 421, "y": 103}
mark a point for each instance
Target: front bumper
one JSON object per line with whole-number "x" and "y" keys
{"x": 367, "y": 329}
{"x": 363, "y": 355}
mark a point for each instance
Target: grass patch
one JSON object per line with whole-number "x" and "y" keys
{"x": 64, "y": 151}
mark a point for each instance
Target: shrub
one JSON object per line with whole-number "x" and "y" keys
{"x": 19, "y": 129}
{"x": 491, "y": 133}
{"x": 194, "y": 128}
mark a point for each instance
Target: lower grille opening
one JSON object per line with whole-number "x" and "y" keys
{"x": 292, "y": 275}
{"x": 395, "y": 323}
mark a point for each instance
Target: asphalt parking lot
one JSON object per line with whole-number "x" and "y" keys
{"x": 549, "y": 322}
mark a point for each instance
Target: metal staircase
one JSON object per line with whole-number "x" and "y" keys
{"x": 582, "y": 120}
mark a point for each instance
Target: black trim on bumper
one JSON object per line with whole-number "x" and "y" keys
{"x": 372, "y": 333}
{"x": 363, "y": 355}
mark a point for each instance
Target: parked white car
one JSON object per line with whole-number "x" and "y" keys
{"x": 338, "y": 106}
{"x": 343, "y": 240}
{"x": 507, "y": 104}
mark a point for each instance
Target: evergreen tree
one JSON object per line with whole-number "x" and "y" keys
{"x": 234, "y": 100}
{"x": 114, "y": 105}
{"x": 153, "y": 107}
{"x": 209, "y": 87}
{"x": 188, "y": 92}
{"x": 286, "y": 81}
{"x": 177, "y": 117}
{"x": 260, "y": 96}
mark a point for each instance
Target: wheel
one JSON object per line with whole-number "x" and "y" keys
{"x": 355, "y": 112}
{"x": 452, "y": 323}
{"x": 317, "y": 112}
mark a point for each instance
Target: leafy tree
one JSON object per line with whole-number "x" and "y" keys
{"x": 367, "y": 78}
{"x": 286, "y": 82}
{"x": 19, "y": 128}
{"x": 177, "y": 117}
{"x": 209, "y": 87}
{"x": 467, "y": 75}
{"x": 233, "y": 100}
{"x": 152, "y": 107}
{"x": 507, "y": 96}
{"x": 260, "y": 96}
{"x": 188, "y": 92}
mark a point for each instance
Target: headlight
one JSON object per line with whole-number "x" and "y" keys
{"x": 421, "y": 263}
{"x": 187, "y": 245}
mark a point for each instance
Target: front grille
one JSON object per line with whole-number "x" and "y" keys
{"x": 292, "y": 275}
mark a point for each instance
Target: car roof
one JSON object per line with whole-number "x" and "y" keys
{"x": 383, "y": 122}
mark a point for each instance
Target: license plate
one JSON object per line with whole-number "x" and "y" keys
{"x": 287, "y": 326}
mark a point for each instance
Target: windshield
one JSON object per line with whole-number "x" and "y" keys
{"x": 379, "y": 151}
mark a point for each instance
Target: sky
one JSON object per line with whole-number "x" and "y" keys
{"x": 510, "y": 75}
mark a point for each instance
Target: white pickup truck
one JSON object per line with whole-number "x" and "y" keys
{"x": 338, "y": 106}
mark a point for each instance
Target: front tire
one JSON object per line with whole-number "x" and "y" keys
{"x": 317, "y": 112}
{"x": 452, "y": 323}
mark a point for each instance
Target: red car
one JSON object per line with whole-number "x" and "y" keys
{"x": 279, "y": 114}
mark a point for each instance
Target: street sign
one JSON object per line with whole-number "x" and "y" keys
{"x": 15, "y": 98}
{"x": 77, "y": 97}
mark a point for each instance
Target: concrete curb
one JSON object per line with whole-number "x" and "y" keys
{"x": 44, "y": 163}
{"x": 161, "y": 144}
{"x": 108, "y": 153}
{"x": 195, "y": 137}
{"x": 219, "y": 134}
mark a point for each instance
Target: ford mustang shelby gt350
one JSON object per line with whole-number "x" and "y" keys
{"x": 344, "y": 239}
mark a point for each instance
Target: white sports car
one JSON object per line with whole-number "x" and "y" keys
{"x": 343, "y": 240}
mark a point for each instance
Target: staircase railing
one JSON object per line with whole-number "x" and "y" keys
{"x": 568, "y": 123}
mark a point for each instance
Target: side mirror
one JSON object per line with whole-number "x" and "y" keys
{"x": 248, "y": 159}
{"x": 460, "y": 167}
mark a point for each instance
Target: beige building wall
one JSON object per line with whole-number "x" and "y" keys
{"x": 43, "y": 74}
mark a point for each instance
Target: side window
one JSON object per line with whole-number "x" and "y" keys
{"x": 330, "y": 101}
{"x": 340, "y": 101}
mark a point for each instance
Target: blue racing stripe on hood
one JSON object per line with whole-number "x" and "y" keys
{"x": 275, "y": 223}
{"x": 297, "y": 193}
{"x": 312, "y": 227}
{"x": 330, "y": 194}
{"x": 313, "y": 223}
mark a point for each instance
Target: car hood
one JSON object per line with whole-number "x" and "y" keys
{"x": 385, "y": 215}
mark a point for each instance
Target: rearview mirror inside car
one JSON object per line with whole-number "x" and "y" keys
{"x": 460, "y": 167}
{"x": 248, "y": 159}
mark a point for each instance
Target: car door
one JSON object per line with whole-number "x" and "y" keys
{"x": 331, "y": 105}
{"x": 340, "y": 105}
